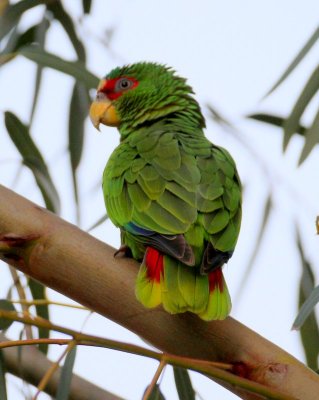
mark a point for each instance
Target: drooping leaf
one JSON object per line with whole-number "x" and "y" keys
{"x": 293, "y": 121}
{"x": 66, "y": 21}
{"x": 98, "y": 223}
{"x": 309, "y": 330}
{"x": 311, "y": 139}
{"x": 276, "y": 121}
{"x": 63, "y": 390}
{"x": 78, "y": 112}
{"x": 218, "y": 117}
{"x": 299, "y": 57}
{"x": 32, "y": 158}
{"x": 6, "y": 306}
{"x": 13, "y": 13}
{"x": 40, "y": 36}
{"x": 38, "y": 293}
{"x": 306, "y": 308}
{"x": 87, "y": 4}
{"x": 3, "y": 386}
{"x": 183, "y": 384}
{"x": 73, "y": 68}
{"x": 263, "y": 224}
{"x": 156, "y": 393}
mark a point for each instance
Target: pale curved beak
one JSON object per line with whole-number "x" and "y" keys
{"x": 102, "y": 111}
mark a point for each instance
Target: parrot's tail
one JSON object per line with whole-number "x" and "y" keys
{"x": 181, "y": 288}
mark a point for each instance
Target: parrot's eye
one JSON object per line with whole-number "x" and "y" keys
{"x": 123, "y": 84}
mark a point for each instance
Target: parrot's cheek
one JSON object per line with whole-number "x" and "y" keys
{"x": 103, "y": 112}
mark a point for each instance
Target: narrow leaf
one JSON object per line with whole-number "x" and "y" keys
{"x": 38, "y": 293}
{"x": 311, "y": 139}
{"x": 73, "y": 68}
{"x": 309, "y": 331}
{"x": 87, "y": 4}
{"x": 33, "y": 159}
{"x": 66, "y": 21}
{"x": 183, "y": 384}
{"x": 3, "y": 386}
{"x": 40, "y": 36}
{"x": 156, "y": 393}
{"x": 66, "y": 376}
{"x": 302, "y": 53}
{"x": 13, "y": 13}
{"x": 276, "y": 121}
{"x": 292, "y": 122}
{"x": 98, "y": 223}
{"x": 7, "y": 306}
{"x": 264, "y": 221}
{"x": 306, "y": 308}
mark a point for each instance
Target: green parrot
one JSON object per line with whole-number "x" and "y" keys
{"x": 175, "y": 196}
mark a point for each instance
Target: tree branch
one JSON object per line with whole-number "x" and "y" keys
{"x": 83, "y": 268}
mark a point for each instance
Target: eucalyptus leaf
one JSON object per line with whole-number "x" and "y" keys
{"x": 87, "y": 4}
{"x": 3, "y": 386}
{"x": 276, "y": 121}
{"x": 66, "y": 21}
{"x": 183, "y": 384}
{"x": 75, "y": 69}
{"x": 293, "y": 121}
{"x": 299, "y": 57}
{"x": 66, "y": 376}
{"x": 38, "y": 292}
{"x": 98, "y": 223}
{"x": 6, "y": 306}
{"x": 306, "y": 308}
{"x": 33, "y": 159}
{"x": 13, "y": 13}
{"x": 156, "y": 393}
{"x": 311, "y": 139}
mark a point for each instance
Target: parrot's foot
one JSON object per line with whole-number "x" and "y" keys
{"x": 124, "y": 251}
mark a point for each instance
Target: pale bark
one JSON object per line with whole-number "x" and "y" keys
{"x": 83, "y": 268}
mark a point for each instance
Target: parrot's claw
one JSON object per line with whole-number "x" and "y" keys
{"x": 124, "y": 250}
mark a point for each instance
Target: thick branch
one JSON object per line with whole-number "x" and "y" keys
{"x": 31, "y": 364}
{"x": 74, "y": 263}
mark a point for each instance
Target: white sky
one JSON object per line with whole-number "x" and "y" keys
{"x": 231, "y": 52}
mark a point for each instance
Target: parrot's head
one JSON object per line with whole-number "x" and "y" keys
{"x": 140, "y": 93}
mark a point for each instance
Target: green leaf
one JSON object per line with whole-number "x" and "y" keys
{"x": 7, "y": 306}
{"x": 98, "y": 223}
{"x": 13, "y": 13}
{"x": 38, "y": 293}
{"x": 66, "y": 21}
{"x": 87, "y": 4}
{"x": 33, "y": 159}
{"x": 40, "y": 36}
{"x": 302, "y": 53}
{"x": 264, "y": 221}
{"x": 79, "y": 107}
{"x": 306, "y": 308}
{"x": 276, "y": 121}
{"x": 293, "y": 121}
{"x": 66, "y": 376}
{"x": 72, "y": 68}
{"x": 3, "y": 386}
{"x": 156, "y": 393}
{"x": 183, "y": 384}
{"x": 311, "y": 139}
{"x": 309, "y": 330}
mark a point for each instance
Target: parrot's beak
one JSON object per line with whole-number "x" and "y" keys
{"x": 102, "y": 111}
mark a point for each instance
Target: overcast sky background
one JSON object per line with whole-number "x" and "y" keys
{"x": 231, "y": 52}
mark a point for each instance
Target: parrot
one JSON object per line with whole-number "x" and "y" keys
{"x": 174, "y": 195}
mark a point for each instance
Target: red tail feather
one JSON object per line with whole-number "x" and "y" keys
{"x": 154, "y": 264}
{"x": 216, "y": 279}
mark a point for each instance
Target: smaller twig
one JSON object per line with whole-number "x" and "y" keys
{"x": 48, "y": 375}
{"x": 44, "y": 302}
{"x": 156, "y": 376}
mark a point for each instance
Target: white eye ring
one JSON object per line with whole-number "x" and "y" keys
{"x": 123, "y": 84}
